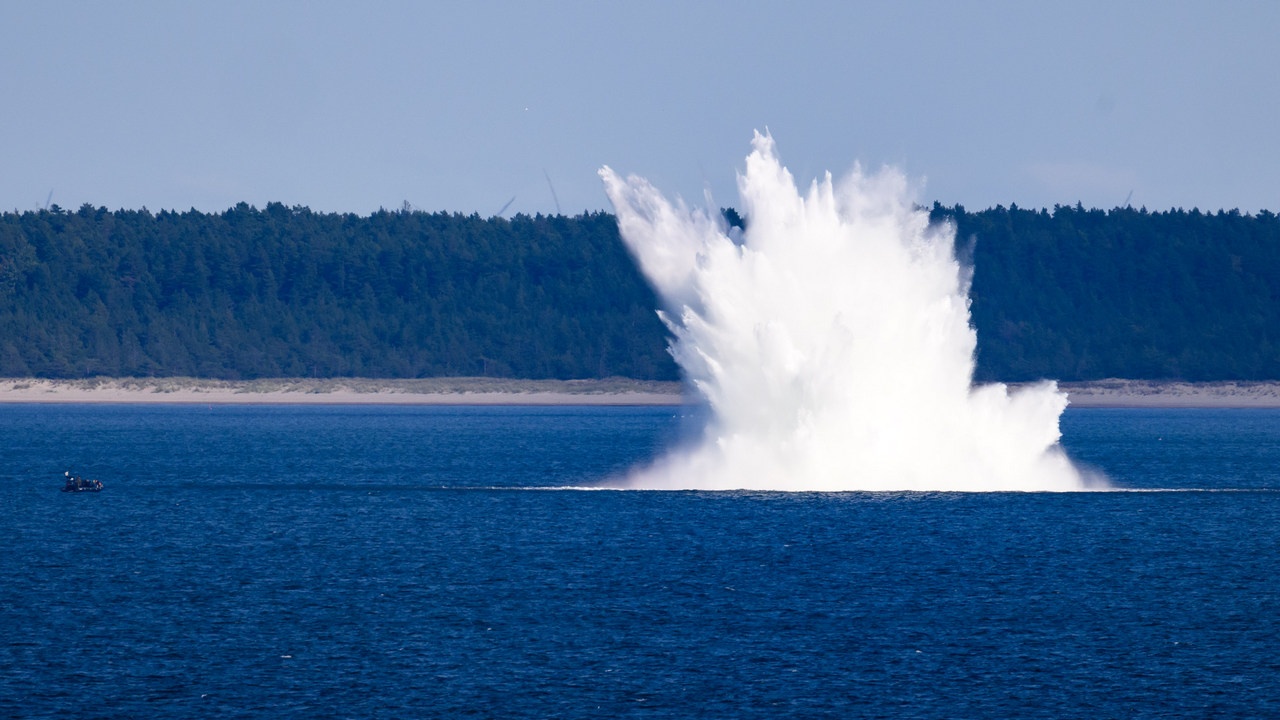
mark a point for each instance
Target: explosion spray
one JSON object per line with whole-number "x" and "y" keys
{"x": 830, "y": 341}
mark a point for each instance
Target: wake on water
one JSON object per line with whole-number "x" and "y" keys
{"x": 830, "y": 341}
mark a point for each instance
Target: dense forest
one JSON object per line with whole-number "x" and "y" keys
{"x": 1070, "y": 293}
{"x": 285, "y": 292}
{"x": 1082, "y": 294}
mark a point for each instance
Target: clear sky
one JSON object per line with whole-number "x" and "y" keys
{"x": 461, "y": 106}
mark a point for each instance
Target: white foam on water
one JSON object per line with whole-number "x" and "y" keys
{"x": 831, "y": 342}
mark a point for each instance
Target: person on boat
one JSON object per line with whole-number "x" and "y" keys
{"x": 76, "y": 483}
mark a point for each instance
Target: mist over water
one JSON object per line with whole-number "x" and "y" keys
{"x": 831, "y": 343}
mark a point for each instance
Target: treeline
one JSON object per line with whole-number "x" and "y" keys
{"x": 1070, "y": 293}
{"x": 286, "y": 292}
{"x": 1082, "y": 294}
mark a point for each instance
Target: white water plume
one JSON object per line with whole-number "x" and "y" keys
{"x": 831, "y": 343}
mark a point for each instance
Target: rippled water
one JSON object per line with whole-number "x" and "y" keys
{"x": 394, "y": 562}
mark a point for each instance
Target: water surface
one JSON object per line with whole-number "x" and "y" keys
{"x": 395, "y": 562}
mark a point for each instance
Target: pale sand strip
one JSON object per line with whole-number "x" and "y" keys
{"x": 491, "y": 391}
{"x": 1143, "y": 393}
{"x": 344, "y": 391}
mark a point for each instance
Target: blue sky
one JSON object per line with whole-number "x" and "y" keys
{"x": 460, "y": 107}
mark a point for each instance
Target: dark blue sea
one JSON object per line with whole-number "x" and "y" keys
{"x": 372, "y": 562}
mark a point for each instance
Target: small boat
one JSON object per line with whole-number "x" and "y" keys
{"x": 75, "y": 483}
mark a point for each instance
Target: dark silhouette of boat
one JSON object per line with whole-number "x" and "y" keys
{"x": 75, "y": 483}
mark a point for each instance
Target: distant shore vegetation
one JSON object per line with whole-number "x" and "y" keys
{"x": 1070, "y": 293}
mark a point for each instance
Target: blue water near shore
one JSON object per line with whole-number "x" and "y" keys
{"x": 394, "y": 562}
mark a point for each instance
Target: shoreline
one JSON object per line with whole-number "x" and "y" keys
{"x": 340, "y": 391}
{"x": 1115, "y": 393}
{"x": 1111, "y": 393}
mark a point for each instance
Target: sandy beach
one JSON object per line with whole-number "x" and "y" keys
{"x": 343, "y": 391}
{"x": 492, "y": 391}
{"x": 1145, "y": 393}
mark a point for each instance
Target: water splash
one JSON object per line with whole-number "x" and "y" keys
{"x": 831, "y": 343}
